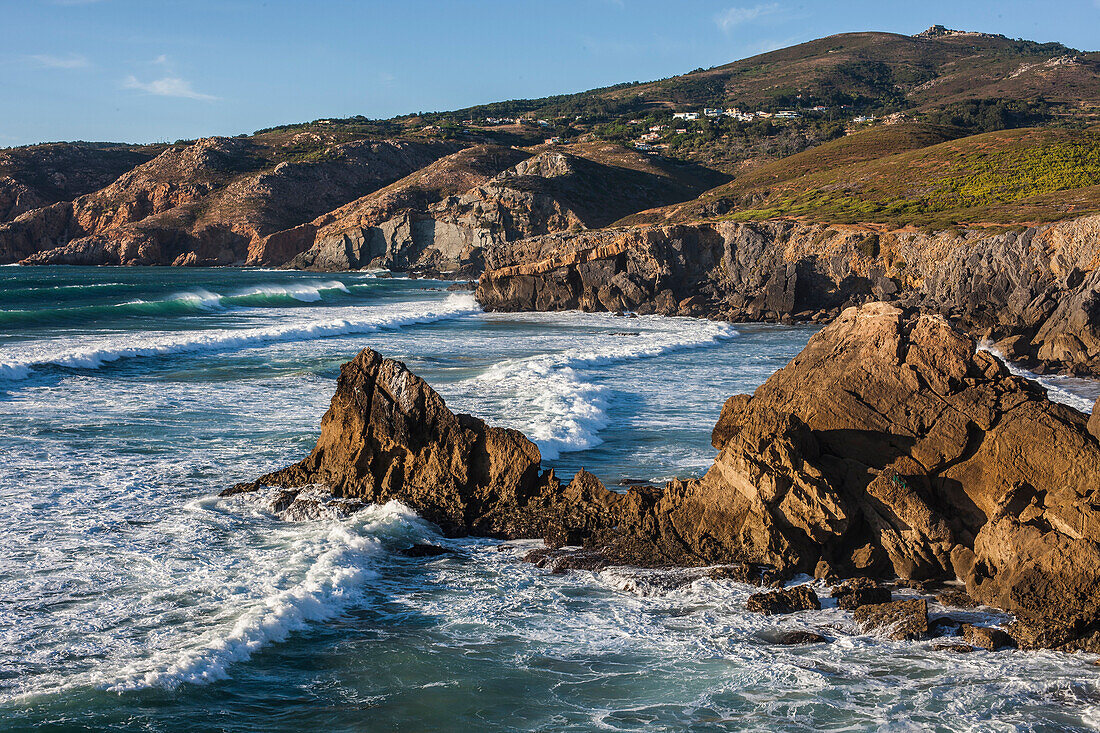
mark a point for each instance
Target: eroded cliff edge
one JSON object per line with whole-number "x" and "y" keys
{"x": 1036, "y": 290}
{"x": 889, "y": 446}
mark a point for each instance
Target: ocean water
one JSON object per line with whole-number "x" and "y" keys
{"x": 132, "y": 598}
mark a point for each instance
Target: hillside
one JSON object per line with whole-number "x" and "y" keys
{"x": 207, "y": 202}
{"x": 916, "y": 175}
{"x": 442, "y": 217}
{"x": 870, "y": 71}
{"x": 39, "y": 175}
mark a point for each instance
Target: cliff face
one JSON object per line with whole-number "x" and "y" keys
{"x": 444, "y": 218}
{"x": 205, "y": 203}
{"x": 439, "y": 219}
{"x": 888, "y": 447}
{"x": 1036, "y": 291}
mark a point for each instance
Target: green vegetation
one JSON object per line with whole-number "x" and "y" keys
{"x": 1001, "y": 177}
{"x": 990, "y": 115}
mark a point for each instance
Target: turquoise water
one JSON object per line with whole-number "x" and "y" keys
{"x": 132, "y": 598}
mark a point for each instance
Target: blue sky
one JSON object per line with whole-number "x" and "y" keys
{"x": 160, "y": 70}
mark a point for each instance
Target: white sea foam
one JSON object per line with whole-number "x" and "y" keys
{"x": 338, "y": 557}
{"x": 1080, "y": 394}
{"x": 556, "y": 399}
{"x": 100, "y": 351}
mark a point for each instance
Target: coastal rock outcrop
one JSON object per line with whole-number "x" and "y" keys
{"x": 1035, "y": 291}
{"x": 889, "y": 447}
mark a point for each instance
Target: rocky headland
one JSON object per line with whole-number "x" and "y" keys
{"x": 888, "y": 449}
{"x": 1033, "y": 290}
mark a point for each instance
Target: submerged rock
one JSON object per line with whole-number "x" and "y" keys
{"x": 791, "y": 638}
{"x": 425, "y": 550}
{"x": 902, "y": 620}
{"x": 944, "y": 626}
{"x": 952, "y": 647}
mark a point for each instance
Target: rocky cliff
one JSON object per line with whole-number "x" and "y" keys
{"x": 1034, "y": 290}
{"x": 887, "y": 447}
{"x": 444, "y": 218}
{"x": 206, "y": 203}
{"x": 311, "y": 201}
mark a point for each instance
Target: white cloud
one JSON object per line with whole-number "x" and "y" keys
{"x": 70, "y": 61}
{"x": 730, "y": 18}
{"x": 162, "y": 60}
{"x": 169, "y": 86}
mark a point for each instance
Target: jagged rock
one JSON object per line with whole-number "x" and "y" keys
{"x": 787, "y": 600}
{"x": 902, "y": 620}
{"x": 986, "y": 638}
{"x": 1094, "y": 421}
{"x": 920, "y": 457}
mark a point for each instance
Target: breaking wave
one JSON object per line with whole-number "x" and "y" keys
{"x": 191, "y": 302}
{"x": 365, "y": 320}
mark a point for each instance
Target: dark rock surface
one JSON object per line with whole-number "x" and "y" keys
{"x": 786, "y": 600}
{"x": 860, "y": 592}
{"x": 800, "y": 637}
{"x": 901, "y": 620}
{"x": 425, "y": 550}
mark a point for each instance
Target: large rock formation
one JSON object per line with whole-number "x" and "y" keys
{"x": 1035, "y": 291}
{"x": 888, "y": 447}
